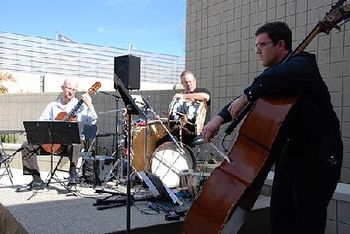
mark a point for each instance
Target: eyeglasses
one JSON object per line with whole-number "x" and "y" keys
{"x": 261, "y": 45}
{"x": 70, "y": 89}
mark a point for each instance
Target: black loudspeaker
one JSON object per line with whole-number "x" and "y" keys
{"x": 96, "y": 169}
{"x": 127, "y": 68}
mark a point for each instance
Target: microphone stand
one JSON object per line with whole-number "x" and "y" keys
{"x": 128, "y": 182}
{"x": 132, "y": 109}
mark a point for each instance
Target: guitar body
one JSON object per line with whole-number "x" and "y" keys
{"x": 56, "y": 148}
{"x": 64, "y": 116}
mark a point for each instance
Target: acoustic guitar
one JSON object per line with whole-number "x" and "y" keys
{"x": 64, "y": 116}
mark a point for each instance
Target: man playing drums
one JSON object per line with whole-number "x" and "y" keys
{"x": 187, "y": 115}
{"x": 189, "y": 82}
{"x": 188, "y": 110}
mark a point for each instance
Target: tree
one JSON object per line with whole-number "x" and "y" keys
{"x": 5, "y": 76}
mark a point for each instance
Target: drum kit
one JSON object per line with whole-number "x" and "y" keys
{"x": 169, "y": 159}
{"x": 149, "y": 153}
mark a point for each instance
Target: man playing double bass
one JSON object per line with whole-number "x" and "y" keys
{"x": 65, "y": 103}
{"x": 308, "y": 167}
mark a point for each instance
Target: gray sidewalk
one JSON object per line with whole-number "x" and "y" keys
{"x": 54, "y": 211}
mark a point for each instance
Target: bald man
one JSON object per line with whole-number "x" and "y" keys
{"x": 86, "y": 114}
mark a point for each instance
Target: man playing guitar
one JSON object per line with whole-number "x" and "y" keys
{"x": 57, "y": 110}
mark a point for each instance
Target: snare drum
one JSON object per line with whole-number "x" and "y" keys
{"x": 194, "y": 113}
{"x": 168, "y": 161}
{"x": 155, "y": 132}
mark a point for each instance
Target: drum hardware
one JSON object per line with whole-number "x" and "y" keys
{"x": 132, "y": 109}
{"x": 111, "y": 111}
{"x": 118, "y": 123}
{"x": 191, "y": 181}
{"x": 179, "y": 146}
{"x": 178, "y": 155}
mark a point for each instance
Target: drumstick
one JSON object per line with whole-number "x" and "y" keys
{"x": 221, "y": 153}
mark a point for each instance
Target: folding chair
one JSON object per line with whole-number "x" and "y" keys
{"x": 5, "y": 159}
{"x": 89, "y": 132}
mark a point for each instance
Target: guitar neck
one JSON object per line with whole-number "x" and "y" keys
{"x": 73, "y": 111}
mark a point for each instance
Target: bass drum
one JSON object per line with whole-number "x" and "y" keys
{"x": 168, "y": 162}
{"x": 156, "y": 131}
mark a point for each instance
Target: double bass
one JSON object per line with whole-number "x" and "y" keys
{"x": 64, "y": 116}
{"x": 237, "y": 180}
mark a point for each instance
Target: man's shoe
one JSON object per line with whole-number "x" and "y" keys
{"x": 34, "y": 185}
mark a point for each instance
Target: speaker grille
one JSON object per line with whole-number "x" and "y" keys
{"x": 127, "y": 68}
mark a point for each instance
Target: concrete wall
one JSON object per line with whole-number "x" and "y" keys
{"x": 16, "y": 108}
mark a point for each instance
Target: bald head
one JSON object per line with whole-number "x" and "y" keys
{"x": 69, "y": 88}
{"x": 70, "y": 83}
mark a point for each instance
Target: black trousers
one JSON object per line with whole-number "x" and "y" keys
{"x": 305, "y": 178}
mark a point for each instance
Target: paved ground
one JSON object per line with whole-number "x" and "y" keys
{"x": 56, "y": 211}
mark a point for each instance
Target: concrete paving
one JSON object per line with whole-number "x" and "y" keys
{"x": 55, "y": 210}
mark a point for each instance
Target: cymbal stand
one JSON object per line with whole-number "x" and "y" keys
{"x": 117, "y": 110}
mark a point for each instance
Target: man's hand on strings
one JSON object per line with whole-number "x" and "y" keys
{"x": 74, "y": 118}
{"x": 87, "y": 99}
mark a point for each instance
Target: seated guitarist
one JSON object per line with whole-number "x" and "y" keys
{"x": 65, "y": 103}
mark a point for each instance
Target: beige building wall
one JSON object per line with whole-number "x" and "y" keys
{"x": 220, "y": 49}
{"x": 18, "y": 107}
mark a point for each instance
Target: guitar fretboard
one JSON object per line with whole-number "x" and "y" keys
{"x": 74, "y": 110}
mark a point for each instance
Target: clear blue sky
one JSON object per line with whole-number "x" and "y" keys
{"x": 149, "y": 25}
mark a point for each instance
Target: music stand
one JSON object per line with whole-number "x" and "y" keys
{"x": 52, "y": 132}
{"x": 132, "y": 109}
